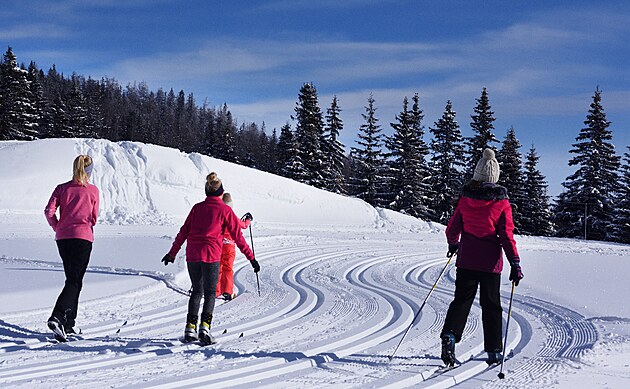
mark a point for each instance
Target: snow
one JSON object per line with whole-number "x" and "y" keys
{"x": 340, "y": 282}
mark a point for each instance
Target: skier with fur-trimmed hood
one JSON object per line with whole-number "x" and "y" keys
{"x": 479, "y": 231}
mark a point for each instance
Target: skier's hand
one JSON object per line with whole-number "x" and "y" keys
{"x": 247, "y": 216}
{"x": 516, "y": 274}
{"x": 168, "y": 259}
{"x": 255, "y": 265}
{"x": 452, "y": 249}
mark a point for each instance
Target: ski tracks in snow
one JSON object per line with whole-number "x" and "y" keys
{"x": 331, "y": 313}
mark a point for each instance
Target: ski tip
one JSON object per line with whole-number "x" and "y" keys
{"x": 224, "y": 331}
{"x": 125, "y": 323}
{"x": 118, "y": 331}
{"x": 501, "y": 376}
{"x": 241, "y": 335}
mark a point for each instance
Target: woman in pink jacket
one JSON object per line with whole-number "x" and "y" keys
{"x": 483, "y": 220}
{"x": 77, "y": 201}
{"x": 203, "y": 229}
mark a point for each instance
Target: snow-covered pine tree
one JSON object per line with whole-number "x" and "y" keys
{"x": 333, "y": 150}
{"x": 483, "y": 137}
{"x": 18, "y": 118}
{"x": 60, "y": 120}
{"x": 285, "y": 144}
{"x": 535, "y": 215}
{"x": 622, "y": 215}
{"x": 39, "y": 106}
{"x": 78, "y": 113}
{"x": 225, "y": 146}
{"x": 510, "y": 161}
{"x": 309, "y": 132}
{"x": 592, "y": 188}
{"x": 367, "y": 181}
{"x": 408, "y": 170}
{"x": 446, "y": 162}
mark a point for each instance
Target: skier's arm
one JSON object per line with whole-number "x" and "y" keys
{"x": 95, "y": 207}
{"x": 454, "y": 227}
{"x": 505, "y": 231}
{"x": 51, "y": 209}
{"x": 233, "y": 226}
{"x": 182, "y": 235}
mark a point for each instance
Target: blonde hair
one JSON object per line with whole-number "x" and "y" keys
{"x": 213, "y": 184}
{"x": 78, "y": 169}
{"x": 227, "y": 198}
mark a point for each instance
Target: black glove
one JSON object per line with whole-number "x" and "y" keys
{"x": 247, "y": 216}
{"x": 255, "y": 265}
{"x": 516, "y": 274}
{"x": 452, "y": 249}
{"x": 168, "y": 259}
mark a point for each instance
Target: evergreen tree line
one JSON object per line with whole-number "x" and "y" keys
{"x": 402, "y": 171}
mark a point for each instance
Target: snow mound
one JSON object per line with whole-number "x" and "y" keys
{"x": 147, "y": 184}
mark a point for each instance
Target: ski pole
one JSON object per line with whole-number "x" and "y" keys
{"x": 507, "y": 326}
{"x": 421, "y": 306}
{"x": 251, "y": 238}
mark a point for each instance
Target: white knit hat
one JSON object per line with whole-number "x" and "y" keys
{"x": 487, "y": 169}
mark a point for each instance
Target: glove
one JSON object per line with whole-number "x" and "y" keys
{"x": 516, "y": 274}
{"x": 255, "y": 265}
{"x": 247, "y": 216}
{"x": 452, "y": 249}
{"x": 168, "y": 259}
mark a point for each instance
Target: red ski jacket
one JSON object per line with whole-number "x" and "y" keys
{"x": 483, "y": 219}
{"x": 204, "y": 228}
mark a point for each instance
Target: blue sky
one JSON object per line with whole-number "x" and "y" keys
{"x": 540, "y": 60}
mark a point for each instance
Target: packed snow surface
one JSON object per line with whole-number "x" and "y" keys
{"x": 340, "y": 283}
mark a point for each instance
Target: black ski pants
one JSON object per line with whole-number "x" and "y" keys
{"x": 75, "y": 255}
{"x": 466, "y": 285}
{"x": 204, "y": 277}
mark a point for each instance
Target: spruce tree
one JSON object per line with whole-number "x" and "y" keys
{"x": 622, "y": 215}
{"x": 447, "y": 161}
{"x": 586, "y": 207}
{"x": 511, "y": 176}
{"x": 535, "y": 212}
{"x": 18, "y": 119}
{"x": 408, "y": 171}
{"x": 483, "y": 137}
{"x": 225, "y": 147}
{"x": 367, "y": 181}
{"x": 334, "y": 150}
{"x": 309, "y": 131}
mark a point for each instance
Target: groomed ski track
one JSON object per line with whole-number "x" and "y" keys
{"x": 331, "y": 311}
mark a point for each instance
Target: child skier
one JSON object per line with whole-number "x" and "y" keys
{"x": 203, "y": 229}
{"x": 225, "y": 286}
{"x": 483, "y": 219}
{"x": 78, "y": 203}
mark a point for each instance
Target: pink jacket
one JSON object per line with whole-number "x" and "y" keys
{"x": 78, "y": 211}
{"x": 483, "y": 220}
{"x": 204, "y": 228}
{"x": 227, "y": 238}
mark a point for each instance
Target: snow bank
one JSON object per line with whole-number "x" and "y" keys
{"x": 148, "y": 184}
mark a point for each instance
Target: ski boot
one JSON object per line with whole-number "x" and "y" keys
{"x": 448, "y": 349}
{"x": 190, "y": 333}
{"x": 494, "y": 358}
{"x": 54, "y": 324}
{"x": 204, "y": 330}
{"x": 227, "y": 296}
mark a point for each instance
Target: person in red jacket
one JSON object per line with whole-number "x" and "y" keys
{"x": 479, "y": 230}
{"x": 203, "y": 229}
{"x": 78, "y": 202}
{"x": 225, "y": 286}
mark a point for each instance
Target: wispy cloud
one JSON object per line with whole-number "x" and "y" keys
{"x": 36, "y": 30}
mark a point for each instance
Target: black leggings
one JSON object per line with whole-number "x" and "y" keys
{"x": 490, "y": 300}
{"x": 204, "y": 277}
{"x": 75, "y": 255}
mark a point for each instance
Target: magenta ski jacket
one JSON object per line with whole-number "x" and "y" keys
{"x": 203, "y": 229}
{"x": 483, "y": 221}
{"x": 78, "y": 211}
